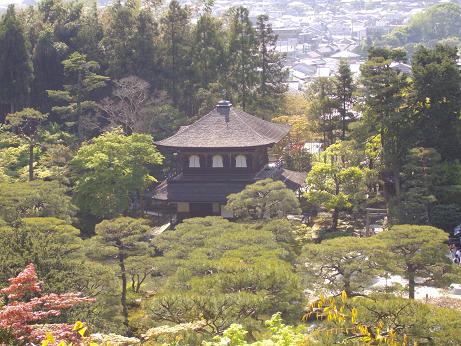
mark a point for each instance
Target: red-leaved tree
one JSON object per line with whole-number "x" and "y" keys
{"x": 24, "y": 314}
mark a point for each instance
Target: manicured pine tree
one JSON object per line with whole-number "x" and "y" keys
{"x": 242, "y": 52}
{"x": 26, "y": 123}
{"x": 272, "y": 75}
{"x": 15, "y": 64}
{"x": 121, "y": 239}
{"x": 75, "y": 101}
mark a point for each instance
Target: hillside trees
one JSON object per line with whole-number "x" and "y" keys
{"x": 322, "y": 107}
{"x": 175, "y": 38}
{"x": 15, "y": 63}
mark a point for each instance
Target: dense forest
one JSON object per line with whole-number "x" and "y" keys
{"x": 85, "y": 91}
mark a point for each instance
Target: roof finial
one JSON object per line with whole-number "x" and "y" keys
{"x": 223, "y": 107}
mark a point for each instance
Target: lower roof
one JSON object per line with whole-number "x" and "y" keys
{"x": 184, "y": 188}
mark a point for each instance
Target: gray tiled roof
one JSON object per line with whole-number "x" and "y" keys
{"x": 240, "y": 130}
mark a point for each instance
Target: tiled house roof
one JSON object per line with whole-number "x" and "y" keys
{"x": 235, "y": 129}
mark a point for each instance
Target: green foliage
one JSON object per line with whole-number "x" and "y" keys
{"x": 344, "y": 94}
{"x": 385, "y": 109}
{"x": 175, "y": 38}
{"x": 419, "y": 174}
{"x": 222, "y": 272}
{"x": 110, "y": 169}
{"x": 33, "y": 199}
{"x": 281, "y": 335}
{"x": 51, "y": 244}
{"x": 415, "y": 321}
{"x": 264, "y": 199}
{"x": 341, "y": 264}
{"x": 26, "y": 123}
{"x": 335, "y": 183}
{"x": 437, "y": 93}
{"x": 415, "y": 251}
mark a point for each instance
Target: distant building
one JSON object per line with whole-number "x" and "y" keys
{"x": 217, "y": 155}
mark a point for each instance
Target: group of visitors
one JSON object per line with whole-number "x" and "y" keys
{"x": 455, "y": 251}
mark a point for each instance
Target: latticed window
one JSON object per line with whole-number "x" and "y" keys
{"x": 194, "y": 161}
{"x": 241, "y": 161}
{"x": 218, "y": 161}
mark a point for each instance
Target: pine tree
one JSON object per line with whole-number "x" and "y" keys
{"x": 344, "y": 90}
{"x": 15, "y": 64}
{"x": 26, "y": 123}
{"x": 273, "y": 75}
{"x": 75, "y": 101}
{"x": 242, "y": 77}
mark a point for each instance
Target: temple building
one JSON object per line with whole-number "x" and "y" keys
{"x": 217, "y": 155}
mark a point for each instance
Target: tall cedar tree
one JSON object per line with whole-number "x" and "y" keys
{"x": 273, "y": 75}
{"x": 242, "y": 54}
{"x": 118, "y": 26}
{"x": 344, "y": 89}
{"x": 322, "y": 105}
{"x": 48, "y": 69}
{"x": 385, "y": 108}
{"x": 15, "y": 64}
{"x": 144, "y": 49}
{"x": 175, "y": 27}
{"x": 437, "y": 88}
{"x": 207, "y": 50}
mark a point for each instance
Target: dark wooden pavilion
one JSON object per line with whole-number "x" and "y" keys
{"x": 217, "y": 155}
